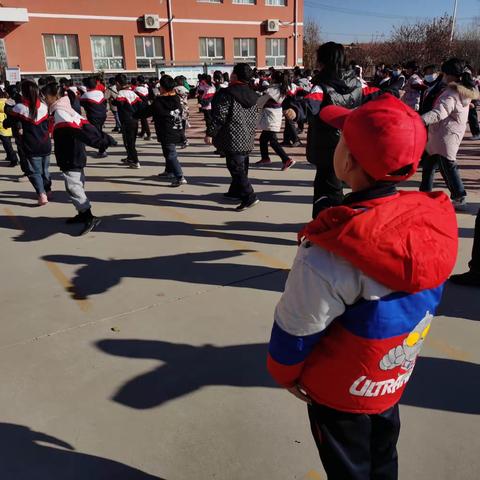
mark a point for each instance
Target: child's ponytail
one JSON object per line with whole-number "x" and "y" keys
{"x": 30, "y": 93}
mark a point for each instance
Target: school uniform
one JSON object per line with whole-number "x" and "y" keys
{"x": 128, "y": 104}
{"x": 95, "y": 106}
{"x": 143, "y": 92}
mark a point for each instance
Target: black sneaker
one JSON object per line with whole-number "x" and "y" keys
{"x": 468, "y": 279}
{"x": 90, "y": 224}
{"x": 166, "y": 174}
{"x": 244, "y": 205}
{"x": 78, "y": 218}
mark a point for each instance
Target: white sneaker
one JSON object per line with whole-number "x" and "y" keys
{"x": 133, "y": 164}
{"x": 459, "y": 204}
{"x": 178, "y": 182}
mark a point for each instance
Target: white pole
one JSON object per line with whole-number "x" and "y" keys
{"x": 454, "y": 20}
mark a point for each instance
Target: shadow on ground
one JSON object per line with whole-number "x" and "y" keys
{"x": 460, "y": 302}
{"x": 439, "y": 384}
{"x": 29, "y": 455}
{"x": 96, "y": 276}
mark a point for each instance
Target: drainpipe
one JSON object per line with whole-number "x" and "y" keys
{"x": 295, "y": 32}
{"x": 170, "y": 31}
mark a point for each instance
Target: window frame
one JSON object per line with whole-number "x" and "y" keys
{"x": 145, "y": 57}
{"x": 267, "y": 4}
{"x": 59, "y": 58}
{"x": 276, "y": 57}
{"x": 215, "y": 57}
{"x": 244, "y": 2}
{"x": 250, "y": 59}
{"x": 113, "y": 57}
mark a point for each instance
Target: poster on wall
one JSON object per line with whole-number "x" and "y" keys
{"x": 12, "y": 75}
{"x": 190, "y": 73}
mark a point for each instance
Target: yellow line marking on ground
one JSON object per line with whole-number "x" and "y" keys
{"x": 451, "y": 352}
{"x": 264, "y": 258}
{"x": 14, "y": 219}
{"x": 61, "y": 278}
{"x": 313, "y": 475}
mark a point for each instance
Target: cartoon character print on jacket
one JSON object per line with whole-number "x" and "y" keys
{"x": 177, "y": 119}
{"x": 405, "y": 355}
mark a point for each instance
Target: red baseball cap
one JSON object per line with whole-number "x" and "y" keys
{"x": 384, "y": 135}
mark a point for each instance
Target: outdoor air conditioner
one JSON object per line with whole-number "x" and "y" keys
{"x": 151, "y": 21}
{"x": 273, "y": 25}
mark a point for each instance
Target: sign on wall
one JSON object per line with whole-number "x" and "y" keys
{"x": 190, "y": 73}
{"x": 12, "y": 75}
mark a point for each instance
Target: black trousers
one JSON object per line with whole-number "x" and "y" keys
{"x": 270, "y": 138}
{"x": 290, "y": 134}
{"x": 327, "y": 188}
{"x": 98, "y": 124}
{"x": 8, "y": 147}
{"x": 145, "y": 130}
{"x": 237, "y": 164}
{"x": 207, "y": 114}
{"x": 473, "y": 121}
{"x": 475, "y": 262}
{"x": 356, "y": 446}
{"x": 129, "y": 134}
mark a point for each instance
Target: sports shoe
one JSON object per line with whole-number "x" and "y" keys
{"x": 125, "y": 160}
{"x": 13, "y": 163}
{"x": 178, "y": 182}
{"x": 102, "y": 155}
{"x": 22, "y": 178}
{"x": 263, "y": 161}
{"x": 459, "y": 204}
{"x": 166, "y": 174}
{"x": 297, "y": 144}
{"x": 50, "y": 195}
{"x": 42, "y": 199}
{"x": 90, "y": 224}
{"x": 147, "y": 138}
{"x": 244, "y": 205}
{"x": 78, "y": 218}
{"x": 468, "y": 279}
{"x": 288, "y": 164}
{"x": 133, "y": 164}
{"x": 475, "y": 137}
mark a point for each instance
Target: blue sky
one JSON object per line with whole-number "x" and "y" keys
{"x": 362, "y": 19}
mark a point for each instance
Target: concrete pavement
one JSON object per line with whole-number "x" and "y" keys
{"x": 139, "y": 350}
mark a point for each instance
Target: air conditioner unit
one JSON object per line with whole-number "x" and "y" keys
{"x": 151, "y": 21}
{"x": 273, "y": 25}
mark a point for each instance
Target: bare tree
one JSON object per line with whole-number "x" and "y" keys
{"x": 311, "y": 42}
{"x": 467, "y": 44}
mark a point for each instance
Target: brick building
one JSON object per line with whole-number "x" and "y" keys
{"x": 83, "y": 36}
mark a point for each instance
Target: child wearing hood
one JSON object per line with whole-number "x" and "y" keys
{"x": 71, "y": 132}
{"x": 362, "y": 292}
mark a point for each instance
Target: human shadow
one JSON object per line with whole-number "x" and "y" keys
{"x": 444, "y": 384}
{"x": 96, "y": 276}
{"x": 459, "y": 301}
{"x": 29, "y": 455}
{"x": 186, "y": 369}
{"x": 39, "y": 228}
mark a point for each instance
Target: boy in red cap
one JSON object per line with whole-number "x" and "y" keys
{"x": 362, "y": 292}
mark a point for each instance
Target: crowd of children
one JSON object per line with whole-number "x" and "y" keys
{"x": 346, "y": 347}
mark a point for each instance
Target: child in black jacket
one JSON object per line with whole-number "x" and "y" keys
{"x": 71, "y": 132}
{"x": 166, "y": 110}
{"x": 93, "y": 101}
{"x": 128, "y": 103}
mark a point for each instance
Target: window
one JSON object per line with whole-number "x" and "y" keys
{"x": 150, "y": 51}
{"x": 61, "y": 52}
{"x": 245, "y": 50}
{"x": 211, "y": 48}
{"x": 209, "y": 1}
{"x": 276, "y": 3}
{"x": 107, "y": 53}
{"x": 276, "y": 52}
{"x": 244, "y": 2}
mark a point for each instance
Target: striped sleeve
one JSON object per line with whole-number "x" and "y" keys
{"x": 311, "y": 301}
